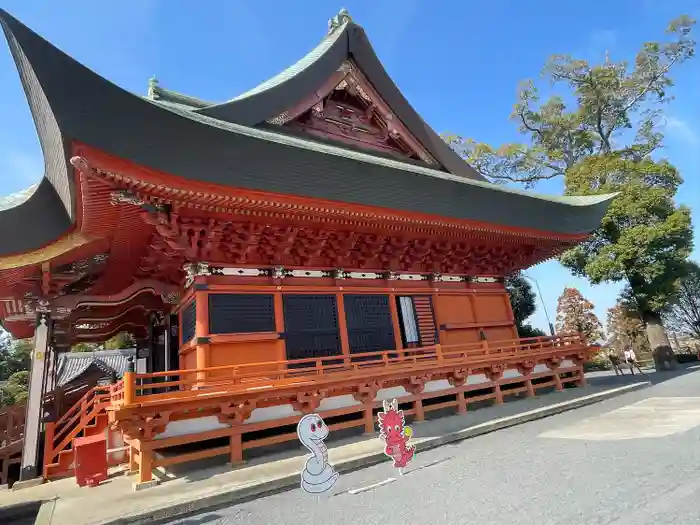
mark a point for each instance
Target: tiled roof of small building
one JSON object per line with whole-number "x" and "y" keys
{"x": 71, "y": 365}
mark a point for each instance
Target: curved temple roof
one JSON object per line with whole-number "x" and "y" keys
{"x": 220, "y": 144}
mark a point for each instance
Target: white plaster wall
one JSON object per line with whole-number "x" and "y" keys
{"x": 436, "y": 386}
{"x": 509, "y": 374}
{"x": 116, "y": 440}
{"x": 567, "y": 363}
{"x": 191, "y": 426}
{"x": 333, "y": 403}
{"x": 268, "y": 413}
{"x": 477, "y": 379}
{"x": 391, "y": 393}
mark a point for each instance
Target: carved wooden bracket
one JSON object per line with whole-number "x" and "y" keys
{"x": 367, "y": 392}
{"x": 144, "y": 426}
{"x": 308, "y": 402}
{"x": 237, "y": 413}
{"x": 526, "y": 367}
{"x": 579, "y": 358}
{"x": 458, "y": 377}
{"x": 416, "y": 384}
{"x": 494, "y": 372}
{"x": 553, "y": 363}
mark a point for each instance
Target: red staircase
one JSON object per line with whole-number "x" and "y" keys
{"x": 87, "y": 417}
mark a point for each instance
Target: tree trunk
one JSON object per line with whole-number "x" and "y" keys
{"x": 664, "y": 359}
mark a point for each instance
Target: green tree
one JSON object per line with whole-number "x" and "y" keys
{"x": 16, "y": 388}
{"x": 15, "y": 356}
{"x": 602, "y": 143}
{"x": 626, "y": 329}
{"x": 84, "y": 347}
{"x": 682, "y": 315}
{"x": 121, "y": 340}
{"x": 645, "y": 239}
{"x": 522, "y": 301}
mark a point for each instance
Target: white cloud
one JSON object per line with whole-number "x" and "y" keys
{"x": 682, "y": 130}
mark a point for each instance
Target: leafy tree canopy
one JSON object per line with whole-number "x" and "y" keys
{"x": 522, "y": 298}
{"x": 575, "y": 314}
{"x": 626, "y": 329}
{"x": 615, "y": 109}
{"x": 600, "y": 139}
{"x": 683, "y": 314}
{"x": 644, "y": 239}
{"x": 523, "y": 303}
{"x": 119, "y": 341}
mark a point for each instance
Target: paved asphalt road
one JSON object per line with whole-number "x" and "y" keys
{"x": 631, "y": 460}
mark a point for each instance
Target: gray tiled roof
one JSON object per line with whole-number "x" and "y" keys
{"x": 225, "y": 145}
{"x": 71, "y": 365}
{"x": 20, "y": 197}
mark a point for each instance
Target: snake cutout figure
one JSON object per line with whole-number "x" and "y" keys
{"x": 318, "y": 475}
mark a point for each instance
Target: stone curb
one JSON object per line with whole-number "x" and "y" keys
{"x": 268, "y": 487}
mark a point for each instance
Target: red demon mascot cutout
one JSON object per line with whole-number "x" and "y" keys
{"x": 395, "y": 434}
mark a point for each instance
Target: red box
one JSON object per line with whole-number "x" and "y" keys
{"x": 90, "y": 460}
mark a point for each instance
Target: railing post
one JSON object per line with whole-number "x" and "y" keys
{"x": 10, "y": 422}
{"x": 438, "y": 352}
{"x": 129, "y": 388}
{"x": 50, "y": 432}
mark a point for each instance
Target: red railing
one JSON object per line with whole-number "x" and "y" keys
{"x": 231, "y": 379}
{"x": 60, "y": 434}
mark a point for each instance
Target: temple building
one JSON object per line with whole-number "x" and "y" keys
{"x": 309, "y": 245}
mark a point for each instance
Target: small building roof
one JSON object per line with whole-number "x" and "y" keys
{"x": 229, "y": 144}
{"x": 71, "y": 365}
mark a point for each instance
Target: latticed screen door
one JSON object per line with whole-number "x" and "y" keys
{"x": 311, "y": 326}
{"x": 369, "y": 324}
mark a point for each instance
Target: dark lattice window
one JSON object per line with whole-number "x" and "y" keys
{"x": 311, "y": 326}
{"x": 235, "y": 313}
{"x": 370, "y": 328}
{"x": 189, "y": 321}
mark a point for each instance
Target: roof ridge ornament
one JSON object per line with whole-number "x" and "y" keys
{"x": 339, "y": 20}
{"x": 152, "y": 85}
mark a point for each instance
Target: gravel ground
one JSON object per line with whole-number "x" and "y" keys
{"x": 601, "y": 464}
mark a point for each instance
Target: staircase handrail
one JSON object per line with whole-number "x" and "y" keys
{"x": 61, "y": 433}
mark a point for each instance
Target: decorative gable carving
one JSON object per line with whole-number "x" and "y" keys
{"x": 348, "y": 109}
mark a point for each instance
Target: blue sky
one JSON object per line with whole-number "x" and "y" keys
{"x": 457, "y": 62}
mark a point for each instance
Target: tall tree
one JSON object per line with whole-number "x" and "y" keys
{"x": 626, "y": 329}
{"x": 575, "y": 314}
{"x": 15, "y": 356}
{"x": 602, "y": 143}
{"x": 121, "y": 340}
{"x": 683, "y": 313}
{"x": 522, "y": 301}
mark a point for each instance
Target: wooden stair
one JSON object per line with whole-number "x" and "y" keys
{"x": 87, "y": 417}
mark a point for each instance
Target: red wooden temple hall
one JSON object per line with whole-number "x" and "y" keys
{"x": 314, "y": 221}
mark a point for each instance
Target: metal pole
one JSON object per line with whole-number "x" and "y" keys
{"x": 544, "y": 306}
